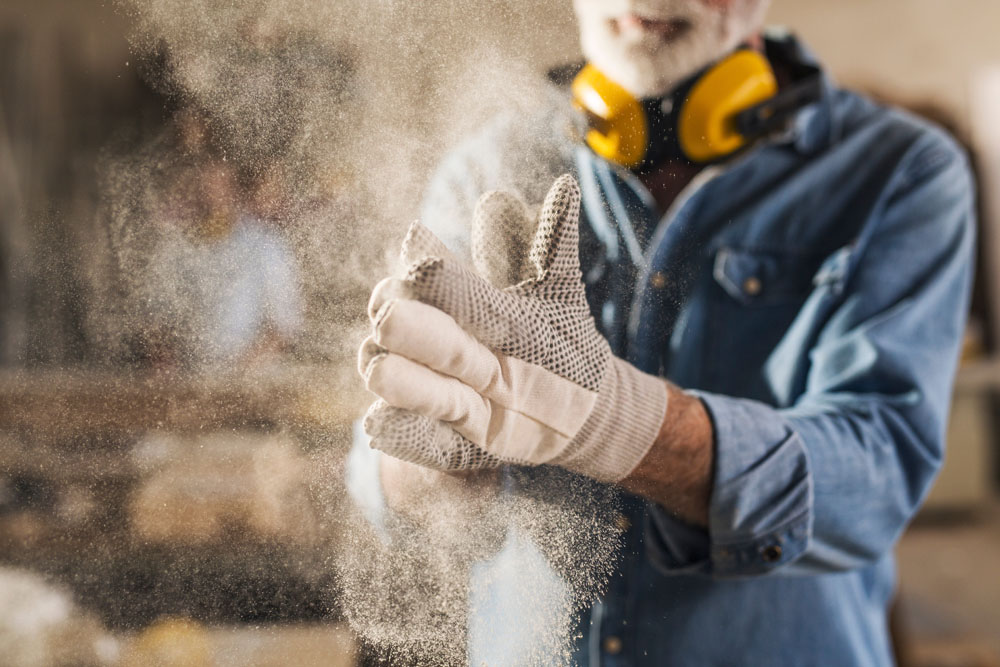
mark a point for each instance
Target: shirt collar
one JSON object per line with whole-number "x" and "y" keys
{"x": 815, "y": 126}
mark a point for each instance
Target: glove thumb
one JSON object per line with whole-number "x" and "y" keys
{"x": 555, "y": 250}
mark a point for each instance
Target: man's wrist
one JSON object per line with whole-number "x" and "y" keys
{"x": 676, "y": 472}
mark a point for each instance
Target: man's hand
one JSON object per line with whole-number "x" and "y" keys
{"x": 472, "y": 376}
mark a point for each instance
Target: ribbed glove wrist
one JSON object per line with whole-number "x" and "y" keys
{"x": 623, "y": 426}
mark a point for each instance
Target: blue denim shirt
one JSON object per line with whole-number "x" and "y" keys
{"x": 813, "y": 293}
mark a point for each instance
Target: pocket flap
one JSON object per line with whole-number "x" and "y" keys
{"x": 755, "y": 277}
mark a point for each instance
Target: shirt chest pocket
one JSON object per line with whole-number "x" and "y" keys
{"x": 756, "y": 278}
{"x": 754, "y": 296}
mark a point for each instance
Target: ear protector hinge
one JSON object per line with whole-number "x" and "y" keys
{"x": 772, "y": 114}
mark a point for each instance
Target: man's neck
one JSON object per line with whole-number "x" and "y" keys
{"x": 666, "y": 181}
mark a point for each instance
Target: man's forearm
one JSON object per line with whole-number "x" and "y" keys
{"x": 677, "y": 471}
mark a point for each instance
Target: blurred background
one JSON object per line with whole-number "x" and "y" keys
{"x": 192, "y": 212}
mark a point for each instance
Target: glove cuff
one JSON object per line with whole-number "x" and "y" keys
{"x": 624, "y": 425}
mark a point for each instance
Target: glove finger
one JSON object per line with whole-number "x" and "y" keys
{"x": 555, "y": 250}
{"x": 503, "y": 321}
{"x": 366, "y": 353}
{"x": 434, "y": 339}
{"x": 421, "y": 243}
{"x": 406, "y": 384}
{"x": 501, "y": 237}
{"x": 386, "y": 290}
{"x": 426, "y": 442}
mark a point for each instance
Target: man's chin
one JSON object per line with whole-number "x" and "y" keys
{"x": 649, "y": 64}
{"x": 644, "y": 75}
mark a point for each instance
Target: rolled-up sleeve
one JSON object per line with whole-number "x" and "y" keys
{"x": 828, "y": 483}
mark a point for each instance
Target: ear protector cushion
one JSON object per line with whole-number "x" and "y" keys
{"x": 618, "y": 128}
{"x": 706, "y": 125}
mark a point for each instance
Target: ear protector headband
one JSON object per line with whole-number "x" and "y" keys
{"x": 711, "y": 116}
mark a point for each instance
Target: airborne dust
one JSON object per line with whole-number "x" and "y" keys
{"x": 330, "y": 117}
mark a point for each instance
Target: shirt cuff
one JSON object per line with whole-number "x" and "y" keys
{"x": 760, "y": 511}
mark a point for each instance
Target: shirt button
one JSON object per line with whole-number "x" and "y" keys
{"x": 771, "y": 554}
{"x": 658, "y": 280}
{"x": 752, "y": 286}
{"x": 612, "y": 645}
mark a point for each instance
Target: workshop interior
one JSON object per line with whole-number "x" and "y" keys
{"x": 197, "y": 199}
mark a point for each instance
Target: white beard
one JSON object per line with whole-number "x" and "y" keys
{"x": 646, "y": 63}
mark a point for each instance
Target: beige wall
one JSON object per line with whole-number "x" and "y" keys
{"x": 915, "y": 49}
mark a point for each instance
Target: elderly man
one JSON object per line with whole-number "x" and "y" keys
{"x": 758, "y": 343}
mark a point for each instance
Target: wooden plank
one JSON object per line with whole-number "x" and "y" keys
{"x": 19, "y": 457}
{"x": 81, "y": 403}
{"x": 978, "y": 375}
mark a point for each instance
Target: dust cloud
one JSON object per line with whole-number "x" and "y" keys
{"x": 325, "y": 119}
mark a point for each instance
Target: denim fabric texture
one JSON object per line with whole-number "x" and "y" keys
{"x": 812, "y": 291}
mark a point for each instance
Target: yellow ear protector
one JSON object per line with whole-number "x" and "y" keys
{"x": 711, "y": 116}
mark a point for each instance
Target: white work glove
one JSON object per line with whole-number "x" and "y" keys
{"x": 472, "y": 376}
